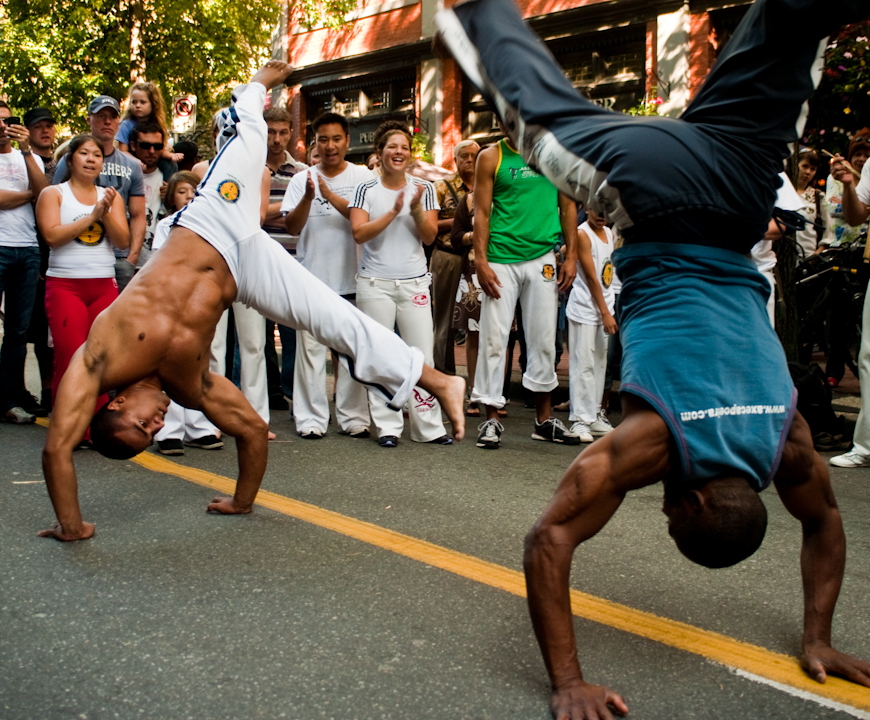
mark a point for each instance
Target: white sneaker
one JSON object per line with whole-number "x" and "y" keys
{"x": 581, "y": 430}
{"x": 311, "y": 434}
{"x": 851, "y": 459}
{"x": 601, "y": 425}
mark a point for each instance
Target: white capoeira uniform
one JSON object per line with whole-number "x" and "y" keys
{"x": 587, "y": 340}
{"x": 226, "y": 213}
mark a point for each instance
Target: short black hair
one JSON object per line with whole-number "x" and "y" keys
{"x": 105, "y": 424}
{"x": 145, "y": 128}
{"x": 329, "y": 118}
{"x": 730, "y": 528}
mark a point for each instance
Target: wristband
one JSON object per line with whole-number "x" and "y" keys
{"x": 26, "y": 153}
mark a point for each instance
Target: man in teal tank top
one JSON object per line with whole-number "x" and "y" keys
{"x": 518, "y": 219}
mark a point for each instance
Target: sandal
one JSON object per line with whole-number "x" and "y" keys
{"x": 473, "y": 410}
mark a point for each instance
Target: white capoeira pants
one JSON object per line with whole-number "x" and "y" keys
{"x": 861, "y": 439}
{"x": 251, "y": 332}
{"x": 538, "y": 295}
{"x": 408, "y": 304}
{"x": 310, "y": 401}
{"x": 226, "y": 213}
{"x": 183, "y": 424}
{"x": 588, "y": 367}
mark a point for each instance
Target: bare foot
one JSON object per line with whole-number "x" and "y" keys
{"x": 273, "y": 73}
{"x": 272, "y": 436}
{"x": 450, "y": 391}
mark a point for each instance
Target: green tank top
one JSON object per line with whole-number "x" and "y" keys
{"x": 524, "y": 222}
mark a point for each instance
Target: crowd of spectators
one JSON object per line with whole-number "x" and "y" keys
{"x": 464, "y": 257}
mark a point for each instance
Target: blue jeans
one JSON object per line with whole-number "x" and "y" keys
{"x": 19, "y": 272}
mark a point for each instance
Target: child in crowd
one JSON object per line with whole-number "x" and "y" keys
{"x": 590, "y": 322}
{"x": 182, "y": 426}
{"x": 145, "y": 104}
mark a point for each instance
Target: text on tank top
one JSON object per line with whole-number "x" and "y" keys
{"x": 524, "y": 222}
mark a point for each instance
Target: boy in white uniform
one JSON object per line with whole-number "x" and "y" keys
{"x": 316, "y": 205}
{"x": 590, "y": 322}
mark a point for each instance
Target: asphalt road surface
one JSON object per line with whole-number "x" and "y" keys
{"x": 375, "y": 583}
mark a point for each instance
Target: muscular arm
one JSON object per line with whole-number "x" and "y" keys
{"x": 136, "y": 206}
{"x": 484, "y": 177}
{"x": 225, "y": 405}
{"x": 265, "y": 189}
{"x": 115, "y": 223}
{"x": 11, "y": 199}
{"x": 804, "y": 486}
{"x": 71, "y": 415}
{"x": 568, "y": 223}
{"x": 634, "y": 455}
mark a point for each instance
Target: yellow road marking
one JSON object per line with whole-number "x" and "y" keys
{"x": 713, "y": 646}
{"x": 719, "y": 648}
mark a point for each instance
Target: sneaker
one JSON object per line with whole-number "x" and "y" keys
{"x": 388, "y": 441}
{"x": 356, "y": 431}
{"x": 851, "y": 459}
{"x": 209, "y": 442}
{"x": 490, "y": 435}
{"x": 580, "y": 430}
{"x": 18, "y": 416}
{"x": 30, "y": 404}
{"x": 553, "y": 430}
{"x": 601, "y": 425}
{"x": 443, "y": 440}
{"x": 170, "y": 447}
{"x": 310, "y": 434}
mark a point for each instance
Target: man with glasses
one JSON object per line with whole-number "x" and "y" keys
{"x": 146, "y": 143}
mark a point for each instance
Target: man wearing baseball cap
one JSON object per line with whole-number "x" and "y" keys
{"x": 122, "y": 172}
{"x": 40, "y": 122}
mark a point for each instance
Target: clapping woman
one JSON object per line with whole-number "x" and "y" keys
{"x": 393, "y": 216}
{"x": 80, "y": 223}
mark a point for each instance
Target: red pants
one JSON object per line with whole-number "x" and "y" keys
{"x": 72, "y": 304}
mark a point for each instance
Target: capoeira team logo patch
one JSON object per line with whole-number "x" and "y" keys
{"x": 421, "y": 300}
{"x": 229, "y": 191}
{"x": 607, "y": 273}
{"x": 93, "y": 235}
{"x": 549, "y": 273}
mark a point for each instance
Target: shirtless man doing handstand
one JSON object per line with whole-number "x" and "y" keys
{"x": 152, "y": 343}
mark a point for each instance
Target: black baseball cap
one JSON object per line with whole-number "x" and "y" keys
{"x": 31, "y": 117}
{"x": 103, "y": 101}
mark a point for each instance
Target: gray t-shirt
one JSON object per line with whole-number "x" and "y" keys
{"x": 120, "y": 171}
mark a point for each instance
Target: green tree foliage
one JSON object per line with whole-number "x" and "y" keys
{"x": 61, "y": 53}
{"x": 841, "y": 104}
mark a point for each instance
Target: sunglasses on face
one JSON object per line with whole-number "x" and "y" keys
{"x": 149, "y": 146}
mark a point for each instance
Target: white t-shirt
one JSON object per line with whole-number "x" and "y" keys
{"x": 863, "y": 188}
{"x": 326, "y": 247}
{"x": 581, "y": 307}
{"x": 18, "y": 225}
{"x": 151, "y": 183}
{"x": 90, "y": 254}
{"x": 161, "y": 232}
{"x": 397, "y": 253}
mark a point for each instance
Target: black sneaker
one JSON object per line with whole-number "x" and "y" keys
{"x": 490, "y": 435}
{"x": 552, "y": 430}
{"x": 30, "y": 403}
{"x": 388, "y": 441}
{"x": 209, "y": 442}
{"x": 170, "y": 447}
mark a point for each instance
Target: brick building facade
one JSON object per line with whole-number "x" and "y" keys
{"x": 379, "y": 65}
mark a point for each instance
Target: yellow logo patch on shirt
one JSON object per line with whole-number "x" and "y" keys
{"x": 607, "y": 274}
{"x": 229, "y": 191}
{"x": 92, "y": 236}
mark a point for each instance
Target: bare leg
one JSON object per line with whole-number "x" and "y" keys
{"x": 450, "y": 391}
{"x": 543, "y": 406}
{"x": 471, "y": 345}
